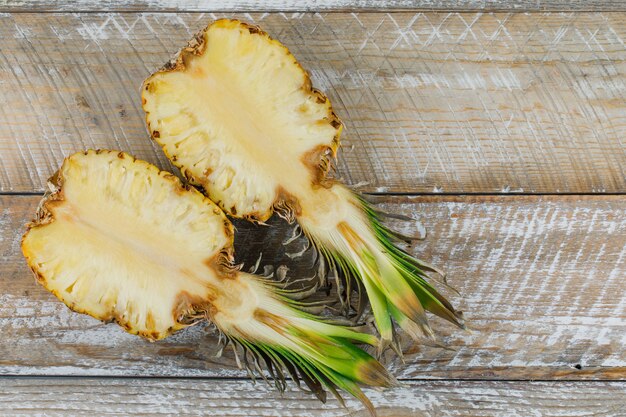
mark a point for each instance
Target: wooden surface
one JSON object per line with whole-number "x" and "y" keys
{"x": 542, "y": 279}
{"x": 158, "y": 397}
{"x": 310, "y": 5}
{"x": 433, "y": 103}
{"x": 436, "y": 102}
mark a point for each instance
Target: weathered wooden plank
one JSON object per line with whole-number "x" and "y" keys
{"x": 309, "y": 6}
{"x": 158, "y": 397}
{"x": 542, "y": 280}
{"x": 432, "y": 102}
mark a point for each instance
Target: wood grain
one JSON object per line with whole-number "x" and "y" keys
{"x": 432, "y": 102}
{"x": 309, "y": 6}
{"x": 156, "y": 397}
{"x": 542, "y": 280}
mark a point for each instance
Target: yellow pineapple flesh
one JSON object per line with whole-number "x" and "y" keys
{"x": 238, "y": 115}
{"x": 117, "y": 234}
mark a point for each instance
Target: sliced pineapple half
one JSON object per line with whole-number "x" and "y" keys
{"x": 238, "y": 115}
{"x": 122, "y": 241}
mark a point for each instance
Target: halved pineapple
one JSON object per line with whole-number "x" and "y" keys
{"x": 237, "y": 114}
{"x": 122, "y": 241}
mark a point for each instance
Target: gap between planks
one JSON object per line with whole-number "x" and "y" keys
{"x": 622, "y": 9}
{"x": 288, "y": 378}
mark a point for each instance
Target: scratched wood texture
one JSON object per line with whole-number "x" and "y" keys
{"x": 542, "y": 280}
{"x": 310, "y": 6}
{"x": 432, "y": 102}
{"x": 156, "y": 397}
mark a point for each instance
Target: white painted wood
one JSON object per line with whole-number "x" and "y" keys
{"x": 156, "y": 397}
{"x": 542, "y": 280}
{"x": 432, "y": 102}
{"x": 309, "y": 5}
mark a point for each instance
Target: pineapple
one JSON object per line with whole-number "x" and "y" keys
{"x": 122, "y": 241}
{"x": 238, "y": 115}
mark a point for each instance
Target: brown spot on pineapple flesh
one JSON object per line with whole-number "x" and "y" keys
{"x": 38, "y": 276}
{"x": 181, "y": 189}
{"x": 253, "y": 29}
{"x": 187, "y": 306}
{"x": 314, "y": 160}
{"x": 150, "y": 323}
{"x": 198, "y": 72}
{"x": 220, "y": 264}
{"x": 320, "y": 97}
{"x": 44, "y": 214}
{"x": 288, "y": 201}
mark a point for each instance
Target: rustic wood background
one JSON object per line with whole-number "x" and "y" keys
{"x": 501, "y": 125}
